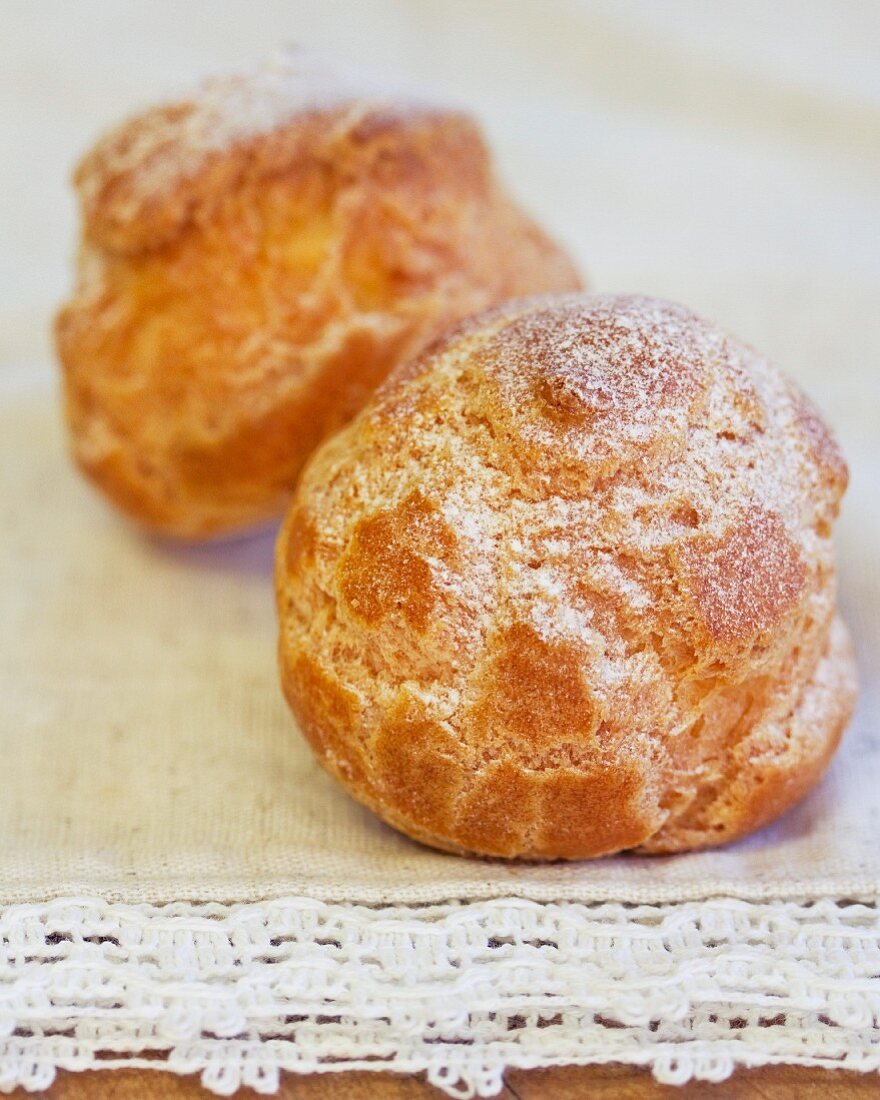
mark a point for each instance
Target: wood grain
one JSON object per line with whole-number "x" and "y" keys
{"x": 613, "y": 1082}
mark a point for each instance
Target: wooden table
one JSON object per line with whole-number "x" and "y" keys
{"x": 613, "y": 1082}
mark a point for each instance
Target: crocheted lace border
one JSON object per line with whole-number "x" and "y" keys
{"x": 461, "y": 991}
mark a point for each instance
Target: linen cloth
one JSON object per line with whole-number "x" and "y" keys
{"x": 177, "y": 876}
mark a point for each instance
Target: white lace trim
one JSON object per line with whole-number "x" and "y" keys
{"x": 460, "y": 991}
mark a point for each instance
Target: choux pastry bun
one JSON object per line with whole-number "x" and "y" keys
{"x": 254, "y": 259}
{"x": 566, "y": 586}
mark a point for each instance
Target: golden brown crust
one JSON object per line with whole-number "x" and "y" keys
{"x": 571, "y": 573}
{"x": 254, "y": 260}
{"x": 733, "y": 600}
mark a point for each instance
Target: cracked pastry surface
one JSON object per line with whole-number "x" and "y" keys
{"x": 566, "y": 587}
{"x": 254, "y": 259}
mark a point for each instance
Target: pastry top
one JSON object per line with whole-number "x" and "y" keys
{"x": 604, "y": 430}
{"x": 583, "y": 545}
{"x": 151, "y": 175}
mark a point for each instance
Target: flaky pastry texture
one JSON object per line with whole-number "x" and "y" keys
{"x": 566, "y": 587}
{"x": 254, "y": 259}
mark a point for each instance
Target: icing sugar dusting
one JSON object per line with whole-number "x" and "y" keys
{"x": 580, "y": 532}
{"x": 295, "y": 81}
{"x": 593, "y": 383}
{"x": 174, "y": 140}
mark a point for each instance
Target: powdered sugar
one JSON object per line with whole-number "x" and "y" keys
{"x": 174, "y": 141}
{"x": 263, "y": 97}
{"x": 610, "y": 369}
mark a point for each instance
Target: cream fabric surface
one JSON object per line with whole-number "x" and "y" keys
{"x": 724, "y": 155}
{"x": 718, "y": 158}
{"x": 150, "y": 757}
